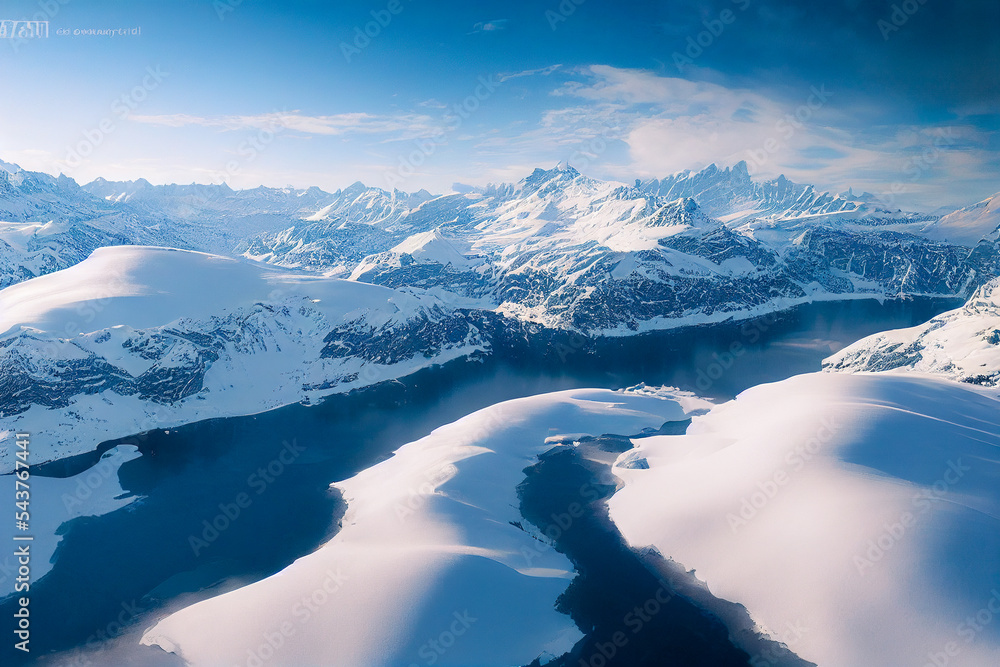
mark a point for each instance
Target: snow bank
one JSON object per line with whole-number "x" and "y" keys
{"x": 428, "y": 568}
{"x": 861, "y": 510}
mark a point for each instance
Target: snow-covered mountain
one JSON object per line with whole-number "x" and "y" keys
{"x": 135, "y": 338}
{"x": 968, "y": 226}
{"x": 963, "y": 344}
{"x": 853, "y": 517}
{"x": 48, "y": 224}
{"x": 798, "y": 500}
{"x": 556, "y": 248}
{"x": 566, "y": 251}
{"x": 220, "y": 219}
{"x": 732, "y": 196}
{"x": 27, "y": 196}
{"x": 862, "y": 506}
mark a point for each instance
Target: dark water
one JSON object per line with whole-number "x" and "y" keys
{"x": 637, "y": 609}
{"x": 634, "y": 617}
{"x": 115, "y": 574}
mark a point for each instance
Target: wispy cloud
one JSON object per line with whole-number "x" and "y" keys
{"x": 398, "y": 127}
{"x": 489, "y": 26}
{"x": 541, "y": 71}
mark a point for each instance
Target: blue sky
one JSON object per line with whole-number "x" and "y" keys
{"x": 898, "y": 98}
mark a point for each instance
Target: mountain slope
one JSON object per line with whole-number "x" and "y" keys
{"x": 864, "y": 507}
{"x": 732, "y": 196}
{"x": 566, "y": 251}
{"x": 963, "y": 344}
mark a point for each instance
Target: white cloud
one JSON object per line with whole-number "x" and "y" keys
{"x": 811, "y": 136}
{"x": 401, "y": 126}
{"x": 490, "y": 26}
{"x": 540, "y": 71}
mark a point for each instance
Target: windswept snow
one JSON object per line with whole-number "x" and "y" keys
{"x": 862, "y": 510}
{"x": 428, "y": 568}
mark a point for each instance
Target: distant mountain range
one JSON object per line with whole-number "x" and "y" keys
{"x": 556, "y": 248}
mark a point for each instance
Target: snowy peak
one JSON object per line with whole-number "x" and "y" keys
{"x": 132, "y": 332}
{"x": 732, "y": 195}
{"x": 850, "y": 487}
{"x": 560, "y": 175}
{"x": 431, "y": 246}
{"x": 985, "y": 302}
{"x": 9, "y": 167}
{"x": 969, "y": 225}
{"x": 425, "y": 248}
{"x": 360, "y": 203}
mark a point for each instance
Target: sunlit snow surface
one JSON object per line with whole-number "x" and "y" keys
{"x": 863, "y": 510}
{"x": 427, "y": 545}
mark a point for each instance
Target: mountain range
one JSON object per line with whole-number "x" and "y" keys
{"x": 556, "y": 248}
